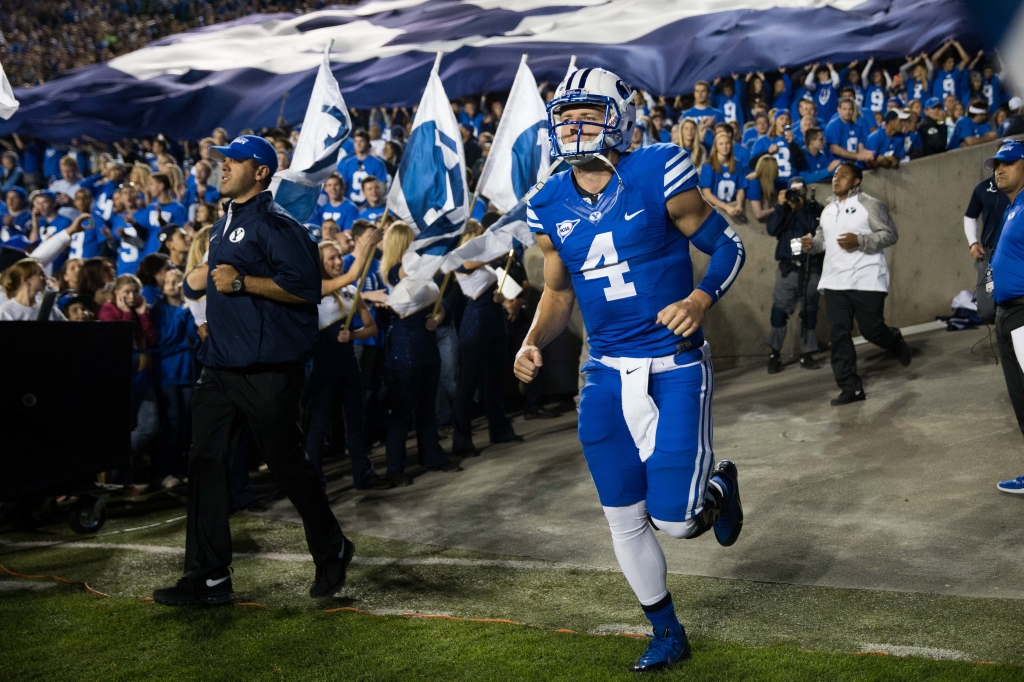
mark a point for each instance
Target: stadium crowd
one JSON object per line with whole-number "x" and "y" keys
{"x": 118, "y": 230}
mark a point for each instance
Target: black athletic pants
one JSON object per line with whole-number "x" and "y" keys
{"x": 1009, "y": 318}
{"x": 481, "y": 359}
{"x": 868, "y": 308}
{"x": 268, "y": 401}
{"x": 414, "y": 403}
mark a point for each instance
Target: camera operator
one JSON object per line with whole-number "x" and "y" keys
{"x": 797, "y": 278}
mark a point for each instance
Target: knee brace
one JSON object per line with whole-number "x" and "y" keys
{"x": 779, "y": 317}
{"x": 698, "y": 524}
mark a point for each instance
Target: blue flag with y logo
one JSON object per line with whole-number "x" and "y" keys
{"x": 430, "y": 194}
{"x": 325, "y": 127}
{"x": 521, "y": 151}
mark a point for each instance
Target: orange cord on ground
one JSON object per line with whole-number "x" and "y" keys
{"x": 54, "y": 577}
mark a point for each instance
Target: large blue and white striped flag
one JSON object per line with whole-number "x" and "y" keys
{"x": 430, "y": 194}
{"x": 521, "y": 151}
{"x": 325, "y": 127}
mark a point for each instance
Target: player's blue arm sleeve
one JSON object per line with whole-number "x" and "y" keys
{"x": 717, "y": 239}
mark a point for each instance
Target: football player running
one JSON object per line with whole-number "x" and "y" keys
{"x": 615, "y": 229}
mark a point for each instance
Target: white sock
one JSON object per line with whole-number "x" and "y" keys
{"x": 638, "y": 552}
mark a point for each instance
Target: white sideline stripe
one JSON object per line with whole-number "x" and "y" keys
{"x": 360, "y": 560}
{"x": 908, "y": 331}
{"x": 618, "y": 629}
{"x": 919, "y": 651}
{"x": 12, "y": 585}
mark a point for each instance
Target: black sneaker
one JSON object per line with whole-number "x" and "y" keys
{"x": 190, "y": 590}
{"x": 847, "y": 397}
{"x": 807, "y": 361}
{"x": 449, "y": 465}
{"x": 331, "y": 578}
{"x": 541, "y": 413}
{"x": 398, "y": 479}
{"x": 730, "y": 517}
{"x": 774, "y": 363}
{"x": 904, "y": 354}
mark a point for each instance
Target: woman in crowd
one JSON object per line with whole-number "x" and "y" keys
{"x": 776, "y": 143}
{"x": 152, "y": 271}
{"x": 761, "y": 187}
{"x": 194, "y": 283}
{"x": 96, "y": 280}
{"x": 722, "y": 182}
{"x": 67, "y": 280}
{"x": 139, "y": 179}
{"x": 690, "y": 135}
{"x": 205, "y": 216}
{"x": 128, "y": 305}
{"x": 176, "y": 335}
{"x": 23, "y": 283}
{"x": 483, "y": 345}
{"x": 335, "y": 375}
{"x": 392, "y": 156}
{"x": 413, "y": 367}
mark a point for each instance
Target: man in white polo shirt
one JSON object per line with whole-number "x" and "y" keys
{"x": 853, "y": 232}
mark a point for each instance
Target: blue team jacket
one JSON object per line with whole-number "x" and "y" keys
{"x": 259, "y": 238}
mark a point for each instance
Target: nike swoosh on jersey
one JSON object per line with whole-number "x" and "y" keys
{"x": 630, "y": 371}
{"x": 218, "y": 581}
{"x": 630, "y": 216}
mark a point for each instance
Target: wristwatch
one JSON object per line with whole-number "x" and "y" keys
{"x": 238, "y": 284}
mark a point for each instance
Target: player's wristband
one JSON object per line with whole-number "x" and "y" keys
{"x": 717, "y": 239}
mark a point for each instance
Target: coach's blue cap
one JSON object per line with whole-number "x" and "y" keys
{"x": 933, "y": 103}
{"x": 1012, "y": 150}
{"x": 250, "y": 147}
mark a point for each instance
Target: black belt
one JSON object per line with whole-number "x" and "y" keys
{"x": 1012, "y": 303}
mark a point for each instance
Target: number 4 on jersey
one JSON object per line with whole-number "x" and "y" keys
{"x": 603, "y": 249}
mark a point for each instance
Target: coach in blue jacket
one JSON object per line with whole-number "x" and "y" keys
{"x": 261, "y": 293}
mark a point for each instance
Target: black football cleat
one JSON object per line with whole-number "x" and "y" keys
{"x": 191, "y": 590}
{"x": 730, "y": 517}
{"x": 331, "y": 578}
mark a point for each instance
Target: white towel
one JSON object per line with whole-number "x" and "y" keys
{"x": 1017, "y": 339}
{"x": 637, "y": 405}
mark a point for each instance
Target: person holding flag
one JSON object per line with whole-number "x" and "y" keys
{"x": 431, "y": 199}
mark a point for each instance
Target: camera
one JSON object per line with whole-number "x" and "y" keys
{"x": 793, "y": 196}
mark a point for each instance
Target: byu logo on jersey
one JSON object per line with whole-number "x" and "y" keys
{"x": 595, "y": 216}
{"x": 237, "y": 235}
{"x": 851, "y": 209}
{"x": 565, "y": 227}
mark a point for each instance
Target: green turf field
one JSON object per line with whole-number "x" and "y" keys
{"x": 740, "y": 630}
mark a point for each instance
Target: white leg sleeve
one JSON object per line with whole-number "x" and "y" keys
{"x": 680, "y": 530}
{"x": 638, "y": 552}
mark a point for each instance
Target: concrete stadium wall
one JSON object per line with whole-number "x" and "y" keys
{"x": 929, "y": 264}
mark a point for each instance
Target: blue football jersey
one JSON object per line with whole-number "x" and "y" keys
{"x": 627, "y": 259}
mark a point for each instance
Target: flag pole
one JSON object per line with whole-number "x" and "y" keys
{"x": 504, "y": 275}
{"x": 280, "y": 113}
{"x": 440, "y": 295}
{"x": 437, "y": 63}
{"x": 362, "y": 277}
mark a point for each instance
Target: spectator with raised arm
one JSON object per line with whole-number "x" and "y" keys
{"x": 916, "y": 76}
{"x": 950, "y": 77}
{"x": 823, "y": 83}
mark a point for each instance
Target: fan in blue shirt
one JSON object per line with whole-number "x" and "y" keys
{"x": 776, "y": 142}
{"x": 16, "y": 217}
{"x": 373, "y": 190}
{"x": 163, "y": 211}
{"x": 949, "y": 77}
{"x": 886, "y": 143}
{"x": 358, "y": 165}
{"x": 845, "y": 136}
{"x": 876, "y": 93}
{"x": 723, "y": 181}
{"x": 702, "y": 108}
{"x": 973, "y": 128}
{"x": 849, "y": 77}
{"x": 336, "y": 208}
{"x": 471, "y": 116}
{"x": 823, "y": 82}
{"x": 729, "y": 96}
{"x": 819, "y": 163}
{"x": 782, "y": 90}
{"x": 991, "y": 87}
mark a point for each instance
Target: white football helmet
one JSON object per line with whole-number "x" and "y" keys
{"x": 599, "y": 88}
